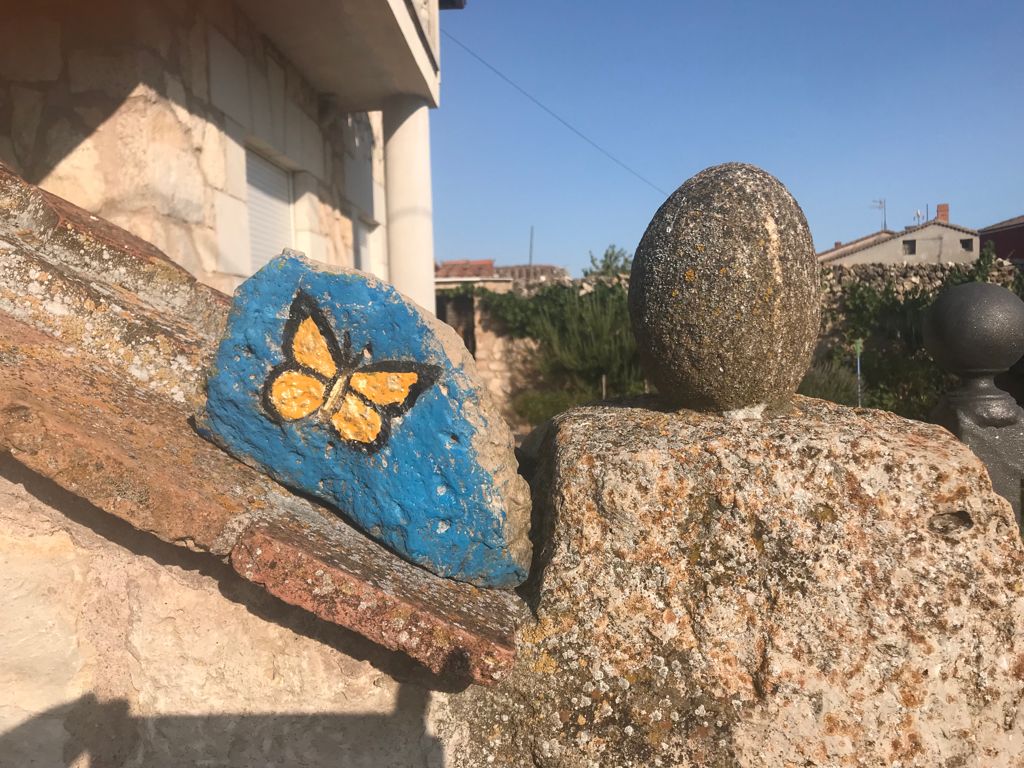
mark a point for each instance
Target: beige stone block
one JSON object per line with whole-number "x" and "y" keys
{"x": 150, "y": 161}
{"x": 234, "y": 159}
{"x": 113, "y": 73}
{"x": 213, "y": 156}
{"x": 205, "y": 241}
{"x": 305, "y": 202}
{"x": 175, "y": 91}
{"x": 259, "y": 105}
{"x": 26, "y": 110}
{"x": 276, "y": 86}
{"x": 313, "y": 244}
{"x": 229, "y": 86}
{"x": 293, "y": 132}
{"x": 76, "y": 167}
{"x": 376, "y": 120}
{"x": 38, "y": 643}
{"x": 358, "y": 178}
{"x": 29, "y": 47}
{"x": 312, "y": 148}
{"x": 177, "y": 243}
{"x": 197, "y": 67}
{"x": 232, "y": 228}
{"x": 222, "y": 282}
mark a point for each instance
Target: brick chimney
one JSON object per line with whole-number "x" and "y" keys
{"x": 942, "y": 212}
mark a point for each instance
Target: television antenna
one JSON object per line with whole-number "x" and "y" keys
{"x": 918, "y": 216}
{"x": 880, "y": 206}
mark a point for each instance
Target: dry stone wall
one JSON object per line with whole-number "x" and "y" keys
{"x": 904, "y": 279}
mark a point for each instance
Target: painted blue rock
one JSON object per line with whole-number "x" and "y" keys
{"x": 334, "y": 384}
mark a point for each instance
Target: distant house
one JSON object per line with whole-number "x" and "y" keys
{"x": 1008, "y": 238}
{"x": 465, "y": 270}
{"x": 459, "y": 308}
{"x": 534, "y": 273}
{"x": 223, "y": 132}
{"x": 936, "y": 241}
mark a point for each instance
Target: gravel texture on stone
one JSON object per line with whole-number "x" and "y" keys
{"x": 830, "y": 587}
{"x": 724, "y": 293}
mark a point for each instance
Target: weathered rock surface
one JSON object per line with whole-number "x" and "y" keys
{"x": 724, "y": 292}
{"x": 831, "y": 587}
{"x": 332, "y": 382}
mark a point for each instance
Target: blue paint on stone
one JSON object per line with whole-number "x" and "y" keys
{"x": 423, "y": 493}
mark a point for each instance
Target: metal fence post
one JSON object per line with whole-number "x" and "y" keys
{"x": 976, "y": 331}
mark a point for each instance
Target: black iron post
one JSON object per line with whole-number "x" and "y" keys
{"x": 976, "y": 330}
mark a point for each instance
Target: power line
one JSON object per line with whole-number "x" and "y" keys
{"x": 552, "y": 113}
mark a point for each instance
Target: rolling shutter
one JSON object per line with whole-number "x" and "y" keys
{"x": 270, "y": 209}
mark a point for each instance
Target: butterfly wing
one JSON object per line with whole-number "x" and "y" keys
{"x": 299, "y": 386}
{"x": 309, "y": 340}
{"x": 376, "y": 394}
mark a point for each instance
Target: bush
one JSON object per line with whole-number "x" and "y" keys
{"x": 584, "y": 341}
{"x": 829, "y": 380}
{"x": 897, "y": 373}
{"x": 586, "y": 338}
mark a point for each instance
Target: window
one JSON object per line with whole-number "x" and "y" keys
{"x": 967, "y": 244}
{"x": 270, "y": 209}
{"x": 909, "y": 247}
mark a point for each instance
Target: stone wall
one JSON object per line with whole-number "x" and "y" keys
{"x": 905, "y": 279}
{"x": 119, "y": 649}
{"x": 506, "y": 365}
{"x": 142, "y": 113}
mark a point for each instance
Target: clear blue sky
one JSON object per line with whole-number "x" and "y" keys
{"x": 916, "y": 102}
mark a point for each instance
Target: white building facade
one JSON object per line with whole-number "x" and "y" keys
{"x": 224, "y": 132}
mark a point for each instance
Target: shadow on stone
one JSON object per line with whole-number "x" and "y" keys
{"x": 109, "y": 735}
{"x": 257, "y": 601}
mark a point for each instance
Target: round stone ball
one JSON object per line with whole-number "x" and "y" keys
{"x": 975, "y": 329}
{"x": 724, "y": 296}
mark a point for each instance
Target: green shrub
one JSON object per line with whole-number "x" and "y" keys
{"x": 897, "y": 373}
{"x": 585, "y": 344}
{"x": 586, "y": 338}
{"x": 830, "y": 380}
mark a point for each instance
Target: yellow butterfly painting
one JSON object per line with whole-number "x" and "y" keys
{"x": 321, "y": 377}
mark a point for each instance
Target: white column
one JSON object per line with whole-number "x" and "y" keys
{"x": 410, "y": 210}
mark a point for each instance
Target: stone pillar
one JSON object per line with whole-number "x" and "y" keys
{"x": 409, "y": 208}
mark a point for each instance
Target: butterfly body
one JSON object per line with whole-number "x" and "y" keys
{"x": 321, "y": 378}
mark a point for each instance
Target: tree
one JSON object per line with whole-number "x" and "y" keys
{"x": 613, "y": 262}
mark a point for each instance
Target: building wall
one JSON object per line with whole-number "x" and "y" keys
{"x": 934, "y": 244}
{"x": 143, "y": 113}
{"x": 1009, "y": 242}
